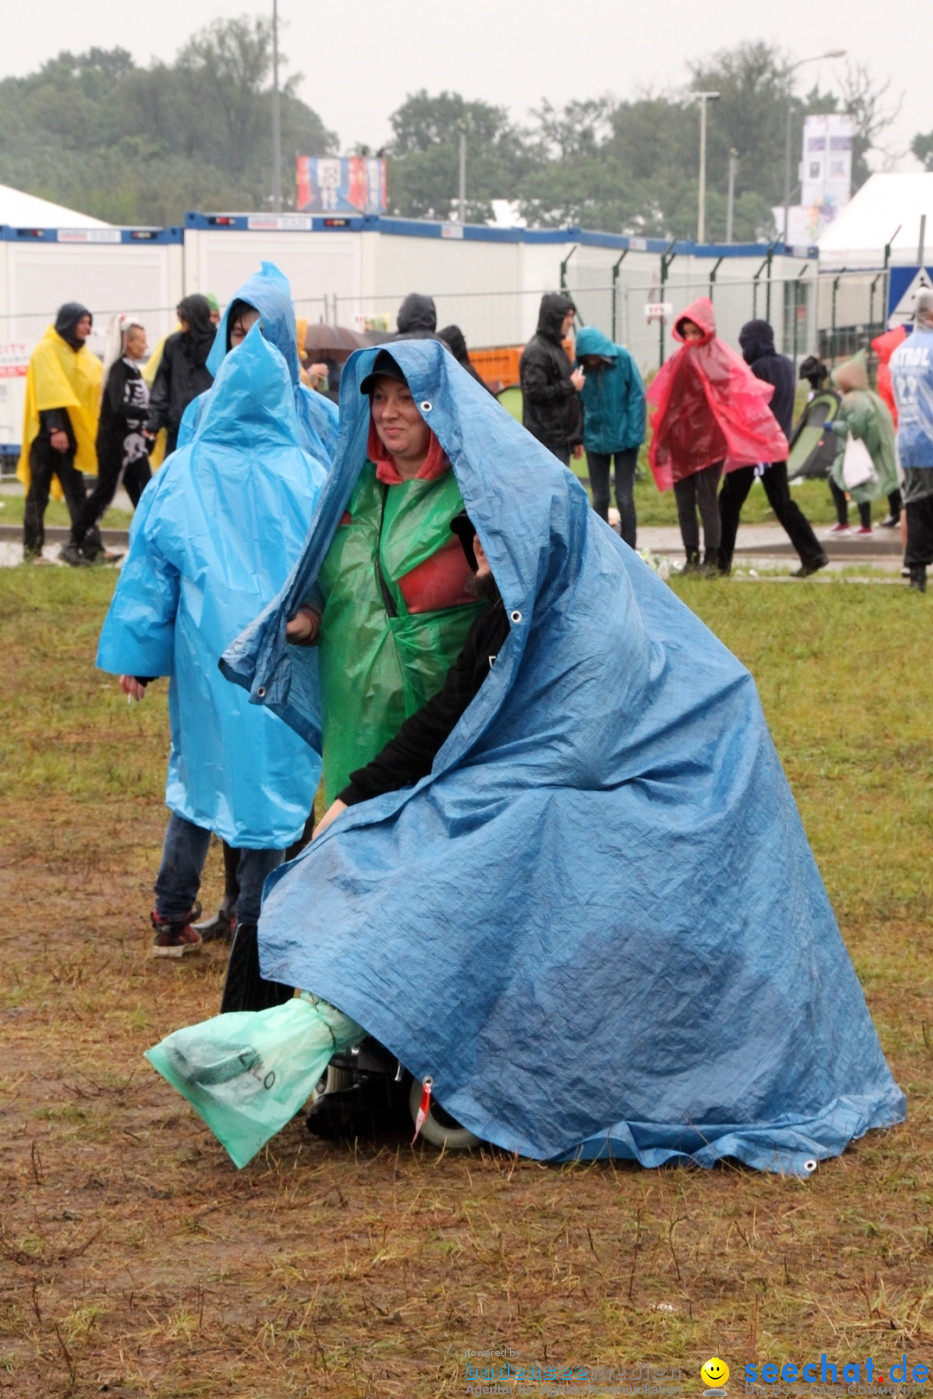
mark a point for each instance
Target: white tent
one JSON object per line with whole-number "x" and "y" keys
{"x": 887, "y": 209}
{"x": 19, "y": 210}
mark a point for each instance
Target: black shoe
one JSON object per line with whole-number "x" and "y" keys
{"x": 710, "y": 567}
{"x": 692, "y": 562}
{"x": 918, "y": 577}
{"x": 71, "y": 553}
{"x": 219, "y": 928}
{"x": 806, "y": 570}
{"x": 890, "y": 522}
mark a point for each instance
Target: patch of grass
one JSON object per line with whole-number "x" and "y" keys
{"x": 134, "y": 1256}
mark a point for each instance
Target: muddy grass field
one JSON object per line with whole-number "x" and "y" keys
{"x": 135, "y": 1260}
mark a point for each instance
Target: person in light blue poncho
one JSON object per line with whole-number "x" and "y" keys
{"x": 597, "y": 923}
{"x": 212, "y": 541}
{"x": 268, "y": 293}
{"x": 265, "y": 297}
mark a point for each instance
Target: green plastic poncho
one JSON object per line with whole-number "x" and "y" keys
{"x": 376, "y": 668}
{"x": 865, "y": 414}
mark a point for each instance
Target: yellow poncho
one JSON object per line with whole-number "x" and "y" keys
{"x": 60, "y": 377}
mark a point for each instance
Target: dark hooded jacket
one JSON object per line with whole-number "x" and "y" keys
{"x": 551, "y": 409}
{"x": 66, "y": 321}
{"x": 757, "y": 341}
{"x": 183, "y": 371}
{"x": 455, "y": 340}
{"x": 417, "y": 318}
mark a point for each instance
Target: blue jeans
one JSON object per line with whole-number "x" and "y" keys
{"x": 179, "y": 877}
{"x": 626, "y": 463}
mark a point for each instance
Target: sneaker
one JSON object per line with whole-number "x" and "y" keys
{"x": 889, "y": 522}
{"x": 176, "y": 938}
{"x": 861, "y": 532}
{"x": 219, "y": 928}
{"x": 40, "y": 561}
{"x": 839, "y": 529}
{"x": 105, "y": 556}
{"x": 806, "y": 570}
{"x": 70, "y": 553}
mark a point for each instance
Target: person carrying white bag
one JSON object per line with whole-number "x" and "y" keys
{"x": 866, "y": 469}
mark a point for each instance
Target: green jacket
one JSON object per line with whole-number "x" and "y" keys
{"x": 866, "y": 416}
{"x": 377, "y": 669}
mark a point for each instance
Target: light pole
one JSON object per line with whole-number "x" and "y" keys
{"x": 730, "y": 199}
{"x": 833, "y": 53}
{"x": 276, "y": 115}
{"x": 703, "y": 98}
{"x": 462, "y": 193}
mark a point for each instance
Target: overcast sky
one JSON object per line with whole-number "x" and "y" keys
{"x": 361, "y": 58}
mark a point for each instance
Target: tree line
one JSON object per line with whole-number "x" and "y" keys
{"x": 133, "y": 144}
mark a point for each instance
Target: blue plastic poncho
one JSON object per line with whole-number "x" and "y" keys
{"x": 597, "y": 924}
{"x": 213, "y": 539}
{"x": 269, "y": 291}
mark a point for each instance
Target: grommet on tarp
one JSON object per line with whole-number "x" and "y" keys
{"x": 424, "y": 1107}
{"x": 261, "y": 692}
{"x": 515, "y": 616}
{"x": 810, "y": 1167}
{"x": 426, "y": 406}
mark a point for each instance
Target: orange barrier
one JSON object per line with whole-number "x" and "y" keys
{"x": 498, "y": 367}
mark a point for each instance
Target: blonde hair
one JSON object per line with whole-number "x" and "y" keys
{"x": 119, "y": 328}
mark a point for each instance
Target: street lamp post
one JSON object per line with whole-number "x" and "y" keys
{"x": 276, "y": 115}
{"x": 833, "y": 53}
{"x": 703, "y": 98}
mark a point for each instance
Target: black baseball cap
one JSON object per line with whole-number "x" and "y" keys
{"x": 384, "y": 367}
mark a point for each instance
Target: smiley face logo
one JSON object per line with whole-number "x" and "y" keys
{"x": 714, "y": 1373}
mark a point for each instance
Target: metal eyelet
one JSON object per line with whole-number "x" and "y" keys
{"x": 515, "y": 616}
{"x": 426, "y": 406}
{"x": 261, "y": 692}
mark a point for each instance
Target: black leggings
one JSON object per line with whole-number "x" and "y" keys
{"x": 791, "y": 518}
{"x": 694, "y": 492}
{"x": 842, "y": 507}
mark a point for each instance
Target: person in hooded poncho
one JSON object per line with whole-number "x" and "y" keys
{"x": 596, "y": 923}
{"x": 212, "y": 541}
{"x": 455, "y": 340}
{"x": 884, "y": 347}
{"x": 862, "y": 415}
{"x": 613, "y": 400}
{"x": 912, "y": 378}
{"x": 182, "y": 373}
{"x": 709, "y": 414}
{"x": 264, "y": 298}
{"x": 59, "y": 422}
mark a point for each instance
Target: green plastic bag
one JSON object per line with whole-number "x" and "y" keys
{"x": 248, "y": 1072}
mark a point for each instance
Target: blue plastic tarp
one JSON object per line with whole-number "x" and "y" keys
{"x": 597, "y": 924}
{"x": 213, "y": 539}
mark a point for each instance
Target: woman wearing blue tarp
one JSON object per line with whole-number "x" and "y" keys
{"x": 211, "y": 543}
{"x": 597, "y": 923}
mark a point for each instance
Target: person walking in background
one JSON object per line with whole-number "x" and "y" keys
{"x": 710, "y": 413}
{"x": 757, "y": 341}
{"x": 912, "y": 378}
{"x": 861, "y": 417}
{"x": 182, "y": 372}
{"x": 884, "y": 347}
{"x": 121, "y": 445}
{"x": 613, "y": 400}
{"x": 59, "y": 422}
{"x": 551, "y": 387}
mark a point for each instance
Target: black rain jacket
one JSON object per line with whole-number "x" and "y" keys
{"x": 551, "y": 409}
